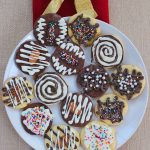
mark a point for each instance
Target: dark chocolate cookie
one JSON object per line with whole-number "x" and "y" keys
{"x": 68, "y": 59}
{"x": 94, "y": 80}
{"x": 36, "y": 119}
{"x": 32, "y": 58}
{"x": 77, "y": 109}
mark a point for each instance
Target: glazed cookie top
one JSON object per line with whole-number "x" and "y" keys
{"x": 108, "y": 51}
{"x": 37, "y": 118}
{"x": 94, "y": 80}
{"x": 68, "y": 59}
{"x": 50, "y": 88}
{"x": 32, "y": 58}
{"x": 62, "y": 138}
{"x": 128, "y": 80}
{"x": 48, "y": 28}
{"x": 98, "y": 136}
{"x": 17, "y": 92}
{"x": 77, "y": 109}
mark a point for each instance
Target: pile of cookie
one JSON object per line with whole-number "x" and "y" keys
{"x": 77, "y": 109}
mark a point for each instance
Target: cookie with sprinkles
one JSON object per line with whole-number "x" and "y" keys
{"x": 32, "y": 58}
{"x": 94, "y": 80}
{"x": 98, "y": 136}
{"x": 111, "y": 109}
{"x": 68, "y": 59}
{"x": 83, "y": 29}
{"x": 48, "y": 28}
{"x": 77, "y": 109}
{"x": 36, "y": 119}
{"x": 62, "y": 137}
{"x": 17, "y": 92}
{"x": 128, "y": 81}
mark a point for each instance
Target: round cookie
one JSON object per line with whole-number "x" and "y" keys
{"x": 83, "y": 29}
{"x": 108, "y": 51}
{"x": 17, "y": 92}
{"x": 36, "y": 119}
{"x": 98, "y": 136}
{"x": 50, "y": 88}
{"x": 32, "y": 58}
{"x": 62, "y": 137}
{"x": 94, "y": 80}
{"x": 128, "y": 81}
{"x": 48, "y": 28}
{"x": 68, "y": 59}
{"x": 111, "y": 109}
{"x": 77, "y": 109}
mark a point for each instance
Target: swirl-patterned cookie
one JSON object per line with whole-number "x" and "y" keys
{"x": 17, "y": 92}
{"x": 68, "y": 59}
{"x": 50, "y": 88}
{"x": 36, "y": 119}
{"x": 32, "y": 58}
{"x": 77, "y": 109}
{"x": 94, "y": 80}
{"x": 111, "y": 109}
{"x": 48, "y": 28}
{"x": 108, "y": 51}
{"x": 128, "y": 81}
{"x": 83, "y": 29}
{"x": 98, "y": 136}
{"x": 62, "y": 137}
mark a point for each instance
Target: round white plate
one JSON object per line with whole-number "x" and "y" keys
{"x": 136, "y": 110}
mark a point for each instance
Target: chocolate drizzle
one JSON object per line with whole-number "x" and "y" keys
{"x": 83, "y": 30}
{"x": 127, "y": 83}
{"x": 110, "y": 110}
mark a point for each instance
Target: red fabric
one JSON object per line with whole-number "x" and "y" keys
{"x": 68, "y": 8}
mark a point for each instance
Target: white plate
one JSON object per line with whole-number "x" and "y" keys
{"x": 136, "y": 107}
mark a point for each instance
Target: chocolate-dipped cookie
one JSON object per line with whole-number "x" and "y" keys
{"x": 94, "y": 80}
{"x": 83, "y": 29}
{"x": 36, "y": 119}
{"x": 108, "y": 51}
{"x": 77, "y": 109}
{"x": 17, "y": 92}
{"x": 50, "y": 88}
{"x": 32, "y": 58}
{"x": 62, "y": 137}
{"x": 98, "y": 136}
{"x": 128, "y": 81}
{"x": 111, "y": 109}
{"x": 48, "y": 28}
{"x": 68, "y": 59}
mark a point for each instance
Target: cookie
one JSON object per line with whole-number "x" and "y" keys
{"x": 83, "y": 29}
{"x": 94, "y": 80}
{"x": 111, "y": 109}
{"x": 36, "y": 119}
{"x": 108, "y": 51}
{"x": 48, "y": 28}
{"x": 98, "y": 136}
{"x": 62, "y": 137}
{"x": 17, "y": 92}
{"x": 32, "y": 58}
{"x": 50, "y": 88}
{"x": 68, "y": 59}
{"x": 128, "y": 81}
{"x": 77, "y": 109}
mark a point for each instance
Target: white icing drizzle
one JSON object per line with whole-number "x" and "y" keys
{"x": 61, "y": 68}
{"x": 35, "y": 52}
{"x": 45, "y": 85}
{"x": 81, "y": 104}
{"x": 21, "y": 89}
{"x": 40, "y": 29}
{"x": 108, "y": 51}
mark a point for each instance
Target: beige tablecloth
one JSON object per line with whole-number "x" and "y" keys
{"x": 130, "y": 16}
